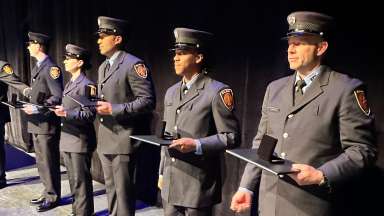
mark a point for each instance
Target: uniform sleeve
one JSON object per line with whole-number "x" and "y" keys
{"x": 163, "y": 148}
{"x": 357, "y": 137}
{"x": 84, "y": 114}
{"x": 55, "y": 84}
{"x": 141, "y": 84}
{"x": 162, "y": 160}
{"x": 227, "y": 125}
{"x": 11, "y": 79}
{"x": 251, "y": 174}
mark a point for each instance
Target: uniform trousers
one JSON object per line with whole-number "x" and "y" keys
{"x": 119, "y": 172}
{"x": 172, "y": 210}
{"x": 2, "y": 154}
{"x": 48, "y": 164}
{"x": 80, "y": 181}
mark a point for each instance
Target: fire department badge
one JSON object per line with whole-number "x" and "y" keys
{"x": 141, "y": 70}
{"x": 227, "y": 98}
{"x": 291, "y": 20}
{"x": 8, "y": 69}
{"x": 54, "y": 72}
{"x": 362, "y": 101}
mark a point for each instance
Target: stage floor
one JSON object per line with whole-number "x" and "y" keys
{"x": 24, "y": 184}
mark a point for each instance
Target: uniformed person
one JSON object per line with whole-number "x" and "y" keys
{"x": 77, "y": 139}
{"x": 128, "y": 98}
{"x": 322, "y": 121}
{"x": 199, "y": 114}
{"x": 7, "y": 77}
{"x": 43, "y": 124}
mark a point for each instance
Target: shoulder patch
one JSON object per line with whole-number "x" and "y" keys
{"x": 8, "y": 69}
{"x": 362, "y": 101}
{"x": 141, "y": 70}
{"x": 54, "y": 72}
{"x": 227, "y": 98}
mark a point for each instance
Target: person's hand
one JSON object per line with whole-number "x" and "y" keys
{"x": 30, "y": 109}
{"x": 241, "y": 201}
{"x": 184, "y": 145}
{"x": 306, "y": 175}
{"x": 160, "y": 182}
{"x": 104, "y": 108}
{"x": 59, "y": 111}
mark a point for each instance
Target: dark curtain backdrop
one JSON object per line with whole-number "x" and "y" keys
{"x": 249, "y": 54}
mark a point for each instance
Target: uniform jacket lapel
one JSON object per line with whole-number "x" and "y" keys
{"x": 36, "y": 69}
{"x": 101, "y": 71}
{"x": 69, "y": 88}
{"x": 177, "y": 95}
{"x": 114, "y": 67}
{"x": 314, "y": 90}
{"x": 193, "y": 91}
{"x": 288, "y": 89}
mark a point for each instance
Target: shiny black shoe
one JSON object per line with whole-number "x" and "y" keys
{"x": 37, "y": 201}
{"x": 46, "y": 205}
{"x": 3, "y": 185}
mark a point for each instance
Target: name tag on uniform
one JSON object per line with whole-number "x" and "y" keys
{"x": 273, "y": 109}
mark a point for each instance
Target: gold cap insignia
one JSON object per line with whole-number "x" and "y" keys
{"x": 291, "y": 20}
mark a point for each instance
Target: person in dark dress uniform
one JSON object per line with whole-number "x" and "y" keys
{"x": 127, "y": 96}
{"x": 323, "y": 124}
{"x": 200, "y": 114}
{"x": 43, "y": 124}
{"x": 77, "y": 139}
{"x": 7, "y": 77}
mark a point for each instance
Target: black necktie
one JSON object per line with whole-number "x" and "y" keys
{"x": 299, "y": 90}
{"x": 106, "y": 69}
{"x": 184, "y": 90}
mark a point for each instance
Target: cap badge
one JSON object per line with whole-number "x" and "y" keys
{"x": 291, "y": 20}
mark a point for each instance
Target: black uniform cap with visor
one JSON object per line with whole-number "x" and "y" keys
{"x": 187, "y": 39}
{"x": 112, "y": 26}
{"x": 38, "y": 38}
{"x": 73, "y": 51}
{"x": 308, "y": 23}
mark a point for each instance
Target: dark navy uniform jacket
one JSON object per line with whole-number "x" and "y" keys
{"x": 192, "y": 180}
{"x": 48, "y": 79}
{"x": 128, "y": 87}
{"x": 77, "y": 130}
{"x": 7, "y": 79}
{"x": 327, "y": 129}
